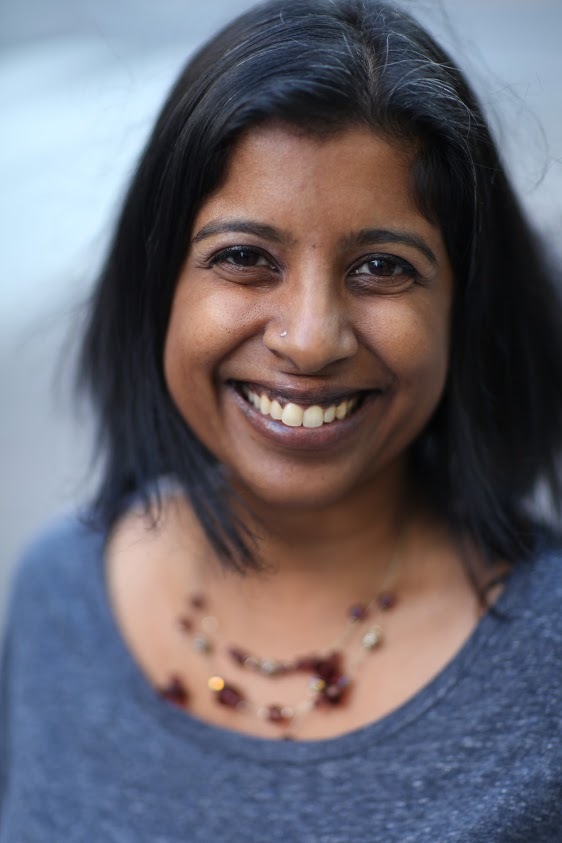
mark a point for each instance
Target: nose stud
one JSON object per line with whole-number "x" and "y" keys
{"x": 283, "y": 334}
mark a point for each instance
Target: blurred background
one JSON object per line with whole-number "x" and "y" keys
{"x": 80, "y": 85}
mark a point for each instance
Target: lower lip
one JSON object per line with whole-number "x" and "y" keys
{"x": 303, "y": 438}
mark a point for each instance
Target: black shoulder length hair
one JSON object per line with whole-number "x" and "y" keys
{"x": 324, "y": 65}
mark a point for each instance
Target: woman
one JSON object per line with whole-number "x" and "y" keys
{"x": 311, "y": 600}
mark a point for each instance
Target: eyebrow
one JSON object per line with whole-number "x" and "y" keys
{"x": 365, "y": 237}
{"x": 374, "y": 236}
{"x": 243, "y": 226}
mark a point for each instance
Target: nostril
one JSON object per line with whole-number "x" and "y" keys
{"x": 310, "y": 339}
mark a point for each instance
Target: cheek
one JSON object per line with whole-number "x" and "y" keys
{"x": 425, "y": 351}
{"x": 413, "y": 342}
{"x": 201, "y": 332}
{"x": 193, "y": 344}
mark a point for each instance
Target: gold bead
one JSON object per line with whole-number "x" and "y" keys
{"x": 216, "y": 683}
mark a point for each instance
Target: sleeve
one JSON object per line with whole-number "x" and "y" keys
{"x": 8, "y": 614}
{"x": 4, "y": 719}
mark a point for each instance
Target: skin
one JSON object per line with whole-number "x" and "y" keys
{"x": 345, "y": 330}
{"x": 299, "y": 299}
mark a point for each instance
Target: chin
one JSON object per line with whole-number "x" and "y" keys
{"x": 300, "y": 491}
{"x": 291, "y": 493}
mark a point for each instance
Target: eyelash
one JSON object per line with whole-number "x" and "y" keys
{"x": 407, "y": 271}
{"x": 221, "y": 257}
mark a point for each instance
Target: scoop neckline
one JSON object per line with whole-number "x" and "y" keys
{"x": 181, "y": 724}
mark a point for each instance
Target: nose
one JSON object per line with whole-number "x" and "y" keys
{"x": 311, "y": 327}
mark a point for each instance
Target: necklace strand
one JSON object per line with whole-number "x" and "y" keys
{"x": 329, "y": 685}
{"x": 329, "y": 682}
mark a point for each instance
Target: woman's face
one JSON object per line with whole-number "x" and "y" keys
{"x": 314, "y": 289}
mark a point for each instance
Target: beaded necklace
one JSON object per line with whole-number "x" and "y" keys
{"x": 332, "y": 673}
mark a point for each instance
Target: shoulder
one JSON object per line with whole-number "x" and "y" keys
{"x": 528, "y": 648}
{"x": 55, "y": 565}
{"x": 542, "y": 592}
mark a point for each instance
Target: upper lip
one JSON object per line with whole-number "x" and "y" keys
{"x": 324, "y": 394}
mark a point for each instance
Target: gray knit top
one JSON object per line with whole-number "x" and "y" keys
{"x": 90, "y": 752}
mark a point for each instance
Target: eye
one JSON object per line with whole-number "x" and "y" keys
{"x": 241, "y": 257}
{"x": 386, "y": 267}
{"x": 384, "y": 272}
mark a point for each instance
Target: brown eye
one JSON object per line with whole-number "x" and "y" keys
{"x": 244, "y": 257}
{"x": 241, "y": 257}
{"x": 382, "y": 266}
{"x": 384, "y": 272}
{"x": 387, "y": 267}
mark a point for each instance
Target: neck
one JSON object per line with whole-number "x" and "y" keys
{"x": 347, "y": 548}
{"x": 316, "y": 565}
{"x": 299, "y": 542}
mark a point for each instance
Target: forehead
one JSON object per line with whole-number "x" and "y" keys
{"x": 350, "y": 179}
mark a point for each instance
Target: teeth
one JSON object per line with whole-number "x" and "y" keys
{"x": 294, "y": 415}
{"x": 341, "y": 410}
{"x": 313, "y": 417}
{"x": 276, "y": 411}
{"x": 265, "y": 405}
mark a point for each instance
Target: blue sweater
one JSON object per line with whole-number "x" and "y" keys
{"x": 90, "y": 753}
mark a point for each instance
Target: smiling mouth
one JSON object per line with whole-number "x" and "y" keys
{"x": 292, "y": 414}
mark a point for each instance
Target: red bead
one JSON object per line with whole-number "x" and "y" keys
{"x": 306, "y": 664}
{"x": 386, "y": 600}
{"x": 336, "y": 692}
{"x": 357, "y": 612}
{"x": 275, "y": 714}
{"x": 231, "y": 697}
{"x": 238, "y": 655}
{"x": 175, "y": 692}
{"x": 329, "y": 669}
